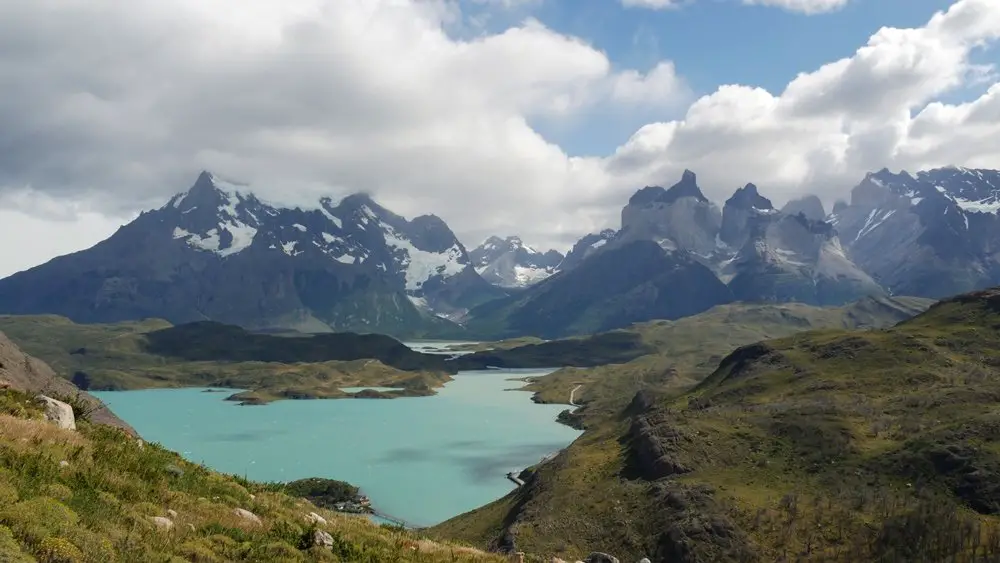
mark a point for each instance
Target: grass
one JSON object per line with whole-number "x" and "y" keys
{"x": 152, "y": 354}
{"x": 99, "y": 505}
{"x": 824, "y": 444}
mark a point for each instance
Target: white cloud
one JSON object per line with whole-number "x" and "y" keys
{"x": 114, "y": 106}
{"x": 803, "y": 6}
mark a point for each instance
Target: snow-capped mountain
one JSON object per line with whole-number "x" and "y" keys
{"x": 932, "y": 234}
{"x": 218, "y": 252}
{"x": 511, "y": 263}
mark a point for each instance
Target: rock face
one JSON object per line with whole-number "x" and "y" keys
{"x": 30, "y": 375}
{"x": 217, "y": 252}
{"x": 58, "y": 413}
{"x": 510, "y": 263}
{"x": 627, "y": 283}
{"x": 586, "y": 247}
{"x": 679, "y": 218}
{"x": 809, "y": 206}
{"x": 932, "y": 234}
{"x": 791, "y": 258}
{"x": 744, "y": 205}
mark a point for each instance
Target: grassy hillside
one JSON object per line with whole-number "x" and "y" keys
{"x": 800, "y": 454}
{"x": 149, "y": 354}
{"x": 99, "y": 506}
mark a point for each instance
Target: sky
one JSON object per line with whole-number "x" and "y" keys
{"x": 530, "y": 117}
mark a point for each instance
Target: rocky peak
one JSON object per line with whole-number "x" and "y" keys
{"x": 809, "y": 206}
{"x": 680, "y": 218}
{"x": 740, "y": 209}
{"x": 747, "y": 197}
{"x": 508, "y": 262}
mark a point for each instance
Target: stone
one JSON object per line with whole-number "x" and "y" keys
{"x": 314, "y": 518}
{"x": 191, "y": 527}
{"x": 58, "y": 413}
{"x": 322, "y": 539}
{"x": 173, "y": 470}
{"x": 251, "y": 517}
{"x": 598, "y": 557}
{"x": 141, "y": 445}
{"x": 645, "y": 560}
{"x": 64, "y": 463}
{"x": 172, "y": 513}
{"x": 4, "y": 384}
{"x": 162, "y": 523}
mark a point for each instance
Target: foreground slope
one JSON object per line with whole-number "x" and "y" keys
{"x": 99, "y": 495}
{"x": 789, "y": 448}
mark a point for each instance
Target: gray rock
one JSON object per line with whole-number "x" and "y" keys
{"x": 162, "y": 523}
{"x": 172, "y": 513}
{"x": 322, "y": 539}
{"x": 598, "y": 557}
{"x": 314, "y": 518}
{"x": 644, "y": 560}
{"x": 58, "y": 412}
{"x": 174, "y": 470}
{"x": 247, "y": 515}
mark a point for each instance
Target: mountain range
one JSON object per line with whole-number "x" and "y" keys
{"x": 217, "y": 252}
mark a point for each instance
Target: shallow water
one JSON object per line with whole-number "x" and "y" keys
{"x": 422, "y": 460}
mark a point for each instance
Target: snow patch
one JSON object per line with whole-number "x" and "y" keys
{"x": 420, "y": 265}
{"x": 988, "y": 205}
{"x": 300, "y": 227}
{"x": 289, "y": 248}
{"x": 328, "y": 237}
{"x": 873, "y": 222}
{"x": 243, "y": 236}
{"x": 526, "y": 275}
{"x": 344, "y": 259}
{"x": 599, "y": 244}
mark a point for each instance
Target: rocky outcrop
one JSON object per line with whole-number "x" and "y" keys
{"x": 58, "y": 412}
{"x": 30, "y": 375}
{"x": 695, "y": 528}
{"x": 655, "y": 447}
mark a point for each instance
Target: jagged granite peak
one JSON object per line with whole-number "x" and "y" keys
{"x": 740, "y": 208}
{"x": 680, "y": 218}
{"x": 931, "y": 234}
{"x": 508, "y": 262}
{"x": 686, "y": 187}
{"x": 217, "y": 252}
{"x": 585, "y": 247}
{"x": 748, "y": 197}
{"x": 809, "y": 206}
{"x": 622, "y": 284}
{"x": 794, "y": 258}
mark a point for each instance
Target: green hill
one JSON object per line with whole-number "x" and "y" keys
{"x": 95, "y": 495}
{"x": 825, "y": 445}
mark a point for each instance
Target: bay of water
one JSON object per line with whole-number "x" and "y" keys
{"x": 422, "y": 460}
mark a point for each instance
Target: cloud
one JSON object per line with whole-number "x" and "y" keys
{"x": 804, "y": 6}
{"x": 808, "y": 7}
{"x": 111, "y": 107}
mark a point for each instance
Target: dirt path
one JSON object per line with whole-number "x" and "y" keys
{"x": 572, "y": 395}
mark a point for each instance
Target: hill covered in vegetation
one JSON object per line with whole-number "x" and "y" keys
{"x": 825, "y": 445}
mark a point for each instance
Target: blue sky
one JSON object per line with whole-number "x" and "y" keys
{"x": 711, "y": 42}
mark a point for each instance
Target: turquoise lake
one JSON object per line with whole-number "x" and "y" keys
{"x": 422, "y": 460}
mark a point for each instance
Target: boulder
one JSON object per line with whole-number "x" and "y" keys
{"x": 172, "y": 513}
{"x": 58, "y": 412}
{"x": 322, "y": 539}
{"x": 4, "y": 384}
{"x": 314, "y": 518}
{"x": 247, "y": 515}
{"x": 598, "y": 557}
{"x": 162, "y": 523}
{"x": 644, "y": 560}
